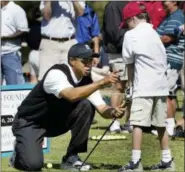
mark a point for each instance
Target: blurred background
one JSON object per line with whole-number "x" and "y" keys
{"x": 97, "y": 6}
{"x": 29, "y": 6}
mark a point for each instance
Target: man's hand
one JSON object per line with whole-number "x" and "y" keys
{"x": 78, "y": 8}
{"x": 47, "y": 11}
{"x": 119, "y": 111}
{"x": 109, "y": 79}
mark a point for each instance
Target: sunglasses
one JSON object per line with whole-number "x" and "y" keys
{"x": 86, "y": 61}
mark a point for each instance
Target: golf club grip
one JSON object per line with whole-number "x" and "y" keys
{"x": 98, "y": 142}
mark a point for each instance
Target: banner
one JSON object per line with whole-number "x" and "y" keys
{"x": 11, "y": 98}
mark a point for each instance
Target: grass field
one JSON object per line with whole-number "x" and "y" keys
{"x": 110, "y": 155}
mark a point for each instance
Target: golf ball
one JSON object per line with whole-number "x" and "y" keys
{"x": 49, "y": 165}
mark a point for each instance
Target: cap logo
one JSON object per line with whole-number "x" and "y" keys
{"x": 87, "y": 47}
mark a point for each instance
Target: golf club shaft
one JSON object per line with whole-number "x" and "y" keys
{"x": 126, "y": 102}
{"x": 98, "y": 142}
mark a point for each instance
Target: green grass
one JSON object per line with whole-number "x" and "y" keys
{"x": 110, "y": 155}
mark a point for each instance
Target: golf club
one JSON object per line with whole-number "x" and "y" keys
{"x": 97, "y": 144}
{"x": 127, "y": 101}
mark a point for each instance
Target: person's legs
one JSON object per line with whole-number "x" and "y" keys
{"x": 79, "y": 123}
{"x": 127, "y": 128}
{"x": 117, "y": 96}
{"x": 158, "y": 120}
{"x": 170, "y": 121}
{"x": 120, "y": 86}
{"x": 173, "y": 73}
{"x": 141, "y": 111}
{"x": 116, "y": 100}
{"x": 52, "y": 52}
{"x": 28, "y": 155}
{"x": 164, "y": 144}
{"x": 180, "y": 122}
{"x": 12, "y": 68}
{"x": 116, "y": 65}
{"x": 140, "y": 117}
{"x": 49, "y": 54}
{"x": 76, "y": 117}
{"x": 34, "y": 65}
{"x": 182, "y": 77}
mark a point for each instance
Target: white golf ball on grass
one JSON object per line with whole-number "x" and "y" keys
{"x": 49, "y": 165}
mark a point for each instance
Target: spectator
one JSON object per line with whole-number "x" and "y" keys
{"x": 65, "y": 99}
{"x": 14, "y": 25}
{"x": 33, "y": 40}
{"x": 88, "y": 31}
{"x": 57, "y": 29}
{"x": 113, "y": 36}
{"x": 102, "y": 69}
{"x": 146, "y": 71}
{"x": 174, "y": 49}
{"x": 155, "y": 11}
{"x": 180, "y": 123}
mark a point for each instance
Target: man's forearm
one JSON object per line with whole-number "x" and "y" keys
{"x": 106, "y": 112}
{"x": 96, "y": 45}
{"x": 78, "y": 93}
{"x": 47, "y": 11}
{"x": 130, "y": 68}
{"x": 18, "y": 34}
{"x": 78, "y": 8}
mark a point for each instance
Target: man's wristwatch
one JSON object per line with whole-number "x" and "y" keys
{"x": 96, "y": 55}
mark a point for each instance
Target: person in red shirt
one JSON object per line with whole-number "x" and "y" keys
{"x": 155, "y": 11}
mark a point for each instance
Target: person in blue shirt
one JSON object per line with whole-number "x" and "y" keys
{"x": 88, "y": 31}
{"x": 174, "y": 45}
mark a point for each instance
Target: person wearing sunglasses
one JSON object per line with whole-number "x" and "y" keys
{"x": 64, "y": 100}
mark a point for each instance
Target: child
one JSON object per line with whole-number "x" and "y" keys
{"x": 145, "y": 56}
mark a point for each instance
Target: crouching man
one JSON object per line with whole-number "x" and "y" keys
{"x": 65, "y": 99}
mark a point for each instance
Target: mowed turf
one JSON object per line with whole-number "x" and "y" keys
{"x": 110, "y": 155}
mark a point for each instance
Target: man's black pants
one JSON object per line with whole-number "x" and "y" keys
{"x": 29, "y": 135}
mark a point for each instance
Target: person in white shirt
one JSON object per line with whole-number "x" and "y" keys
{"x": 58, "y": 31}
{"x": 64, "y": 100}
{"x": 14, "y": 25}
{"x": 145, "y": 57}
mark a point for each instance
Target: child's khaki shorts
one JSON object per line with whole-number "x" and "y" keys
{"x": 149, "y": 111}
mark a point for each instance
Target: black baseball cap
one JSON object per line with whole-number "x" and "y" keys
{"x": 80, "y": 50}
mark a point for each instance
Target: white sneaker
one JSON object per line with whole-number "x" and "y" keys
{"x": 74, "y": 163}
{"x": 115, "y": 127}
